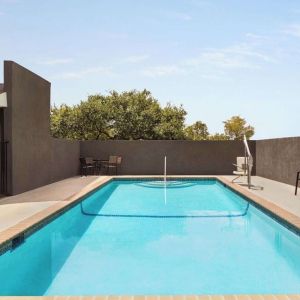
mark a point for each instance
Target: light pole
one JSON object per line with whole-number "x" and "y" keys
{"x": 3, "y": 105}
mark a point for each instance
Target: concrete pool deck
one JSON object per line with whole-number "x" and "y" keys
{"x": 15, "y": 209}
{"x": 281, "y": 194}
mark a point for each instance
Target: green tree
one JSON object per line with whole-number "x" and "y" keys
{"x": 94, "y": 119}
{"x": 88, "y": 120}
{"x": 218, "y": 137}
{"x": 129, "y": 115}
{"x": 236, "y": 127}
{"x": 197, "y": 132}
{"x": 171, "y": 126}
{"x": 135, "y": 115}
{"x": 63, "y": 122}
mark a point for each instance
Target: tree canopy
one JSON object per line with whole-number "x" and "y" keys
{"x": 197, "y": 132}
{"x": 236, "y": 127}
{"x": 129, "y": 116}
{"x": 135, "y": 115}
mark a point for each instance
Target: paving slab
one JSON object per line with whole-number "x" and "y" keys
{"x": 273, "y": 191}
{"x": 14, "y": 209}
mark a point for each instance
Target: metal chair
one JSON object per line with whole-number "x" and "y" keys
{"x": 112, "y": 163}
{"x": 241, "y": 168}
{"x": 87, "y": 164}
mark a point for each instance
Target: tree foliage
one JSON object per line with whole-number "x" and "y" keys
{"x": 135, "y": 115}
{"x": 219, "y": 137}
{"x": 171, "y": 126}
{"x": 63, "y": 122}
{"x": 236, "y": 127}
{"x": 129, "y": 115}
{"x": 197, "y": 132}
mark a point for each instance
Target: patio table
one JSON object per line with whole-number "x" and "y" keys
{"x": 99, "y": 163}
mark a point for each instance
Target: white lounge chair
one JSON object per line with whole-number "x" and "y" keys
{"x": 241, "y": 167}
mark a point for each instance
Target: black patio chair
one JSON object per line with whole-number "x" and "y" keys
{"x": 87, "y": 164}
{"x": 297, "y": 182}
{"x": 112, "y": 163}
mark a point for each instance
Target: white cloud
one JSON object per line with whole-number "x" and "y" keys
{"x": 296, "y": 11}
{"x": 293, "y": 29}
{"x": 165, "y": 70}
{"x": 200, "y": 3}
{"x": 115, "y": 36}
{"x": 85, "y": 72}
{"x": 213, "y": 63}
{"x": 58, "y": 61}
{"x": 222, "y": 60}
{"x": 257, "y": 37}
{"x": 179, "y": 16}
{"x": 10, "y": 1}
{"x": 247, "y": 51}
{"x": 135, "y": 58}
{"x": 213, "y": 76}
{"x": 235, "y": 57}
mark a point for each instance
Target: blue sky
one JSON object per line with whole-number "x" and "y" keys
{"x": 216, "y": 57}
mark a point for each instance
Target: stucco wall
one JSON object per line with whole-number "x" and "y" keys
{"x": 64, "y": 159}
{"x": 278, "y": 159}
{"x": 183, "y": 157}
{"x": 27, "y": 128}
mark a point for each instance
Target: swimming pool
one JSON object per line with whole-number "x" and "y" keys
{"x": 138, "y": 237}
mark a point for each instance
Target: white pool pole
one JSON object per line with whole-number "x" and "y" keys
{"x": 165, "y": 171}
{"x": 249, "y": 161}
{"x": 165, "y": 179}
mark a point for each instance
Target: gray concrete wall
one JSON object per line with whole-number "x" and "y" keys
{"x": 64, "y": 159}
{"x": 278, "y": 159}
{"x": 30, "y": 143}
{"x": 184, "y": 157}
{"x": 27, "y": 128}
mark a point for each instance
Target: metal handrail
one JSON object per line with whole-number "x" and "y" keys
{"x": 249, "y": 157}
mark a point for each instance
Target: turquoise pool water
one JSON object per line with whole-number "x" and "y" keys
{"x": 135, "y": 237}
